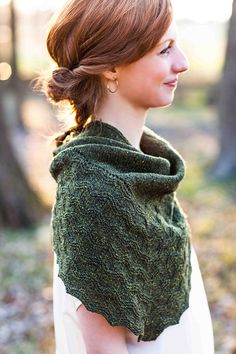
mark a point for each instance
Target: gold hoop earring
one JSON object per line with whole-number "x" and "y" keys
{"x": 115, "y": 82}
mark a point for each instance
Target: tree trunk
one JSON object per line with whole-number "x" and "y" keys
{"x": 15, "y": 75}
{"x": 15, "y": 84}
{"x": 225, "y": 166}
{"x": 19, "y": 205}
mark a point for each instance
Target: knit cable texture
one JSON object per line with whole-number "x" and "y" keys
{"x": 121, "y": 238}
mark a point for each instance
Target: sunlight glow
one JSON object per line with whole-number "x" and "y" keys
{"x": 28, "y": 6}
{"x": 5, "y": 34}
{"x": 4, "y": 2}
{"x": 5, "y": 71}
{"x": 202, "y": 10}
{"x": 199, "y": 11}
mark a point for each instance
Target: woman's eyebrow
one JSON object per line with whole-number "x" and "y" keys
{"x": 171, "y": 40}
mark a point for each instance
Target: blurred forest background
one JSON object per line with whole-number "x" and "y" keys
{"x": 201, "y": 124}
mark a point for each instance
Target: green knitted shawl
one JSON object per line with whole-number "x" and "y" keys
{"x": 121, "y": 238}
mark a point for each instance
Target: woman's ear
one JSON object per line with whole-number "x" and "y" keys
{"x": 110, "y": 74}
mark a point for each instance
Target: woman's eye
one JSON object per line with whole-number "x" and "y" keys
{"x": 166, "y": 50}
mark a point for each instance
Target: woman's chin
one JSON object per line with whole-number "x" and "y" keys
{"x": 166, "y": 102}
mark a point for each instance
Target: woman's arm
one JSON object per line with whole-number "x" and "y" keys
{"x": 99, "y": 336}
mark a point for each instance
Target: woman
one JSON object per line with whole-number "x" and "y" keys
{"x": 126, "y": 277}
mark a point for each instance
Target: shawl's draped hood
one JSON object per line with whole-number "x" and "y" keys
{"x": 121, "y": 238}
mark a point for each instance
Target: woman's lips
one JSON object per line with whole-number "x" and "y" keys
{"x": 172, "y": 83}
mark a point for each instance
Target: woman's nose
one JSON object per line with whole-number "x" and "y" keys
{"x": 181, "y": 63}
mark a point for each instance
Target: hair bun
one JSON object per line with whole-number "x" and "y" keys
{"x": 60, "y": 84}
{"x": 62, "y": 75}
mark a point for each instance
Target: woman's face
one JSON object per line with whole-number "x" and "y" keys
{"x": 152, "y": 80}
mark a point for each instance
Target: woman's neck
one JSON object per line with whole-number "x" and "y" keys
{"x": 127, "y": 119}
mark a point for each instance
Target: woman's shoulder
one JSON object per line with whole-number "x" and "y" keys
{"x": 79, "y": 166}
{"x": 85, "y": 183}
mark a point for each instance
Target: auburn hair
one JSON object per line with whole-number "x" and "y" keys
{"x": 91, "y": 36}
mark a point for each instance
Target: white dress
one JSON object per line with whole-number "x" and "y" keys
{"x": 193, "y": 334}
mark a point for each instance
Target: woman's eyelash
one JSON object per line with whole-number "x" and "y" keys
{"x": 164, "y": 51}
